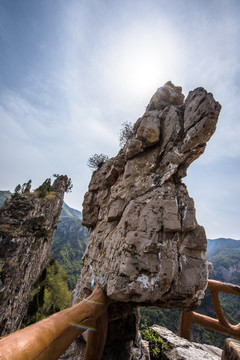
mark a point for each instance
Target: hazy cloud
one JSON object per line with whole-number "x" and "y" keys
{"x": 72, "y": 72}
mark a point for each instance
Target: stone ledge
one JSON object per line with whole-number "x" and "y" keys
{"x": 231, "y": 350}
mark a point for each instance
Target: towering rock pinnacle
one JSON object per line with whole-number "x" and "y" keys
{"x": 27, "y": 223}
{"x": 145, "y": 244}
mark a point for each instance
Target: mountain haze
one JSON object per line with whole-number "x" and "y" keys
{"x": 4, "y": 195}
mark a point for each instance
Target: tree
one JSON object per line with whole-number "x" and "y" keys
{"x": 26, "y": 187}
{"x": 57, "y": 295}
{"x": 43, "y": 189}
{"x": 69, "y": 185}
{"x": 17, "y": 189}
{"x": 51, "y": 294}
{"x": 97, "y": 160}
{"x": 125, "y": 133}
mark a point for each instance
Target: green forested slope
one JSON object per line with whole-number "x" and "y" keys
{"x": 69, "y": 243}
{"x": 51, "y": 294}
{"x": 224, "y": 254}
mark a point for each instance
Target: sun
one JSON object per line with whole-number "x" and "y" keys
{"x": 142, "y": 62}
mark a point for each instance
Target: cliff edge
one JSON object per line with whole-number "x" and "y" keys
{"x": 27, "y": 224}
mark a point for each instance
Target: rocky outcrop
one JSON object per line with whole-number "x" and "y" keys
{"x": 146, "y": 246}
{"x": 27, "y": 223}
{"x": 185, "y": 350}
{"x": 231, "y": 350}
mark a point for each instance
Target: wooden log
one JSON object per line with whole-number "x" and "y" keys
{"x": 51, "y": 337}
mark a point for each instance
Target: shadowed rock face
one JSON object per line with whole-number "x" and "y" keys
{"x": 146, "y": 245}
{"x": 27, "y": 223}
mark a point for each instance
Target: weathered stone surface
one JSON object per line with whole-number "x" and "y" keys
{"x": 231, "y": 350}
{"x": 168, "y": 94}
{"x": 27, "y": 223}
{"x": 134, "y": 147}
{"x": 146, "y": 246}
{"x": 149, "y": 129}
{"x": 186, "y": 350}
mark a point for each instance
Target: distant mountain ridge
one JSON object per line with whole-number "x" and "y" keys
{"x": 67, "y": 211}
{"x": 4, "y": 195}
{"x": 216, "y": 245}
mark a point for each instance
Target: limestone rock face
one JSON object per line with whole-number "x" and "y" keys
{"x": 27, "y": 223}
{"x": 146, "y": 246}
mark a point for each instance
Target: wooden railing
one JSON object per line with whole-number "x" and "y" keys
{"x": 220, "y": 324}
{"x": 50, "y": 338}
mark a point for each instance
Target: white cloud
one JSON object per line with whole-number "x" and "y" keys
{"x": 101, "y": 70}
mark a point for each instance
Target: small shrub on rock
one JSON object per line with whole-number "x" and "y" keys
{"x": 45, "y": 188}
{"x": 97, "y": 160}
{"x": 157, "y": 345}
{"x": 125, "y": 133}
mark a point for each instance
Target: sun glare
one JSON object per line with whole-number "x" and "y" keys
{"x": 143, "y": 62}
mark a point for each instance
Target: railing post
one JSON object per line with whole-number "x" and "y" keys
{"x": 186, "y": 325}
{"x": 220, "y": 324}
{"x": 96, "y": 339}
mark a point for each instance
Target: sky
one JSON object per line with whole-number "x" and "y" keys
{"x": 73, "y": 71}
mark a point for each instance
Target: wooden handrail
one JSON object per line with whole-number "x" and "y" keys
{"x": 220, "y": 324}
{"x": 48, "y": 339}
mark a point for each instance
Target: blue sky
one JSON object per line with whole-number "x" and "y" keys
{"x": 72, "y": 71}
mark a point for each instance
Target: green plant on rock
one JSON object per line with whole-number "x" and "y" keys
{"x": 69, "y": 185}
{"x": 45, "y": 188}
{"x": 126, "y": 133}
{"x": 17, "y": 189}
{"x": 97, "y": 160}
{"x": 157, "y": 345}
{"x": 38, "y": 226}
{"x": 26, "y": 188}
